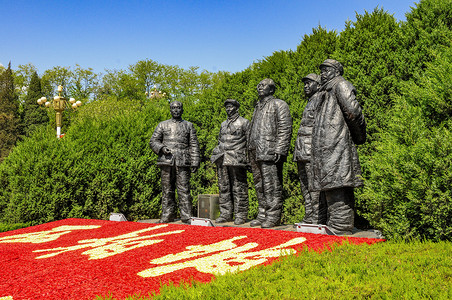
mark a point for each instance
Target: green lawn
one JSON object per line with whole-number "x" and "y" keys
{"x": 390, "y": 270}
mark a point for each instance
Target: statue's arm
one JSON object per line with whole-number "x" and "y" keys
{"x": 284, "y": 132}
{"x": 156, "y": 141}
{"x": 194, "y": 147}
{"x": 352, "y": 111}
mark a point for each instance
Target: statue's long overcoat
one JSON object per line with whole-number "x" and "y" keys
{"x": 303, "y": 143}
{"x": 338, "y": 126}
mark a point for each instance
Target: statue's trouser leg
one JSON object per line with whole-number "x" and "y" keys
{"x": 258, "y": 185}
{"x": 308, "y": 201}
{"x": 239, "y": 192}
{"x": 168, "y": 195}
{"x": 224, "y": 184}
{"x": 272, "y": 184}
{"x": 340, "y": 209}
{"x": 183, "y": 192}
{"x": 315, "y": 205}
{"x": 319, "y": 208}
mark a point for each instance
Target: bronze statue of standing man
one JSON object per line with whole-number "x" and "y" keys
{"x": 339, "y": 125}
{"x": 268, "y": 145}
{"x": 177, "y": 146}
{"x": 230, "y": 155}
{"x": 315, "y": 206}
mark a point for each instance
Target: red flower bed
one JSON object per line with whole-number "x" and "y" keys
{"x": 79, "y": 259}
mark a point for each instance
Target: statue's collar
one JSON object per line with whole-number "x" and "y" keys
{"x": 330, "y": 84}
{"x": 233, "y": 117}
{"x": 264, "y": 101}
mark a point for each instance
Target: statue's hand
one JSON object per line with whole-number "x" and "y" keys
{"x": 166, "y": 151}
{"x": 277, "y": 157}
{"x": 194, "y": 169}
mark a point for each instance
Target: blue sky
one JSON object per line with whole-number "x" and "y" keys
{"x": 213, "y": 35}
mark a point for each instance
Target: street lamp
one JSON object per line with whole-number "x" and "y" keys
{"x": 155, "y": 94}
{"x": 59, "y": 105}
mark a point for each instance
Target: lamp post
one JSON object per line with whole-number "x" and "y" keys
{"x": 155, "y": 94}
{"x": 59, "y": 104}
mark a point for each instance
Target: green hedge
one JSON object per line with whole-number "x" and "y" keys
{"x": 103, "y": 164}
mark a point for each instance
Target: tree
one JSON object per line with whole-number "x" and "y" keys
{"x": 407, "y": 191}
{"x": 22, "y": 77}
{"x": 84, "y": 83}
{"x": 426, "y": 30}
{"x": 54, "y": 77}
{"x": 9, "y": 117}
{"x": 369, "y": 50}
{"x": 147, "y": 73}
{"x": 120, "y": 84}
{"x": 33, "y": 115}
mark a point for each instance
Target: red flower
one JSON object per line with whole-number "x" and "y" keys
{"x": 79, "y": 258}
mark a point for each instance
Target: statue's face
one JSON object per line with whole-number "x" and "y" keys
{"x": 327, "y": 73}
{"x": 310, "y": 87}
{"x": 264, "y": 88}
{"x": 176, "y": 110}
{"x": 230, "y": 109}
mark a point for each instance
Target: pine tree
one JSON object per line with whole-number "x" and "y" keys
{"x": 33, "y": 116}
{"x": 9, "y": 116}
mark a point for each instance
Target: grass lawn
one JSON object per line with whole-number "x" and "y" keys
{"x": 390, "y": 270}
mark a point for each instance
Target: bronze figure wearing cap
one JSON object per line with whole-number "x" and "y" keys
{"x": 231, "y": 159}
{"x": 315, "y": 208}
{"x": 339, "y": 125}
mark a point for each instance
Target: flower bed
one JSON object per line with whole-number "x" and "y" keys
{"x": 79, "y": 258}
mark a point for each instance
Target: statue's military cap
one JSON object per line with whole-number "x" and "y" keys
{"x": 311, "y": 76}
{"x": 232, "y": 101}
{"x": 333, "y": 63}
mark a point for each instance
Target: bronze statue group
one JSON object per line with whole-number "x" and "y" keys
{"x": 325, "y": 152}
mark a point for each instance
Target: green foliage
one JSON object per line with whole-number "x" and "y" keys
{"x": 33, "y": 116}
{"x": 9, "y": 113}
{"x": 79, "y": 83}
{"x": 102, "y": 165}
{"x": 432, "y": 91}
{"x": 141, "y": 77}
{"x": 84, "y": 83}
{"x": 408, "y": 191}
{"x": 22, "y": 78}
{"x": 381, "y": 271}
{"x": 8, "y": 227}
{"x": 54, "y": 77}
{"x": 119, "y": 84}
{"x": 427, "y": 29}
{"x": 367, "y": 48}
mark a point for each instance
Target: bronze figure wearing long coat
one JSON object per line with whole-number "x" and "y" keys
{"x": 339, "y": 125}
{"x": 315, "y": 206}
{"x": 335, "y": 159}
